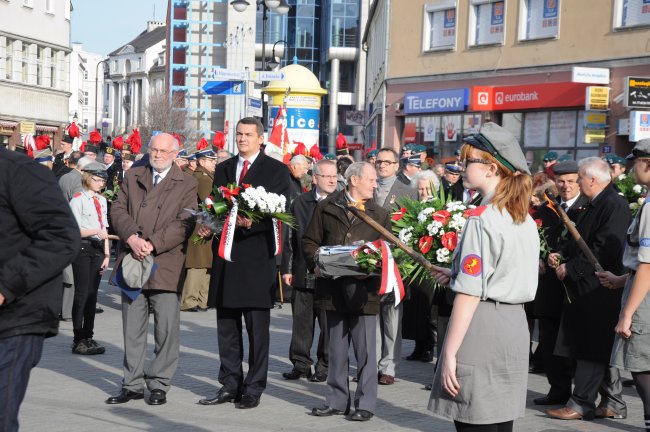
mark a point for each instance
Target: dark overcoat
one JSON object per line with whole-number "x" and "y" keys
{"x": 160, "y": 214}
{"x": 332, "y": 225}
{"x": 249, "y": 281}
{"x": 293, "y": 259}
{"x": 588, "y": 321}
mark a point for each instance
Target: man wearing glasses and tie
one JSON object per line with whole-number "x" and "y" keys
{"x": 150, "y": 216}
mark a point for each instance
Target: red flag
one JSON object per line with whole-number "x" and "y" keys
{"x": 279, "y": 135}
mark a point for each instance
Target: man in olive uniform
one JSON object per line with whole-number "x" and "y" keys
{"x": 199, "y": 256}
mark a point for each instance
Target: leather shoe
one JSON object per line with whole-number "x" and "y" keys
{"x": 326, "y": 411}
{"x": 426, "y": 357}
{"x": 386, "y": 379}
{"x": 566, "y": 413}
{"x": 222, "y": 396}
{"x": 296, "y": 374}
{"x": 158, "y": 397}
{"x": 124, "y": 396}
{"x": 415, "y": 355}
{"x": 546, "y": 400}
{"x": 604, "y": 412}
{"x": 361, "y": 415}
{"x": 248, "y": 401}
{"x": 318, "y": 377}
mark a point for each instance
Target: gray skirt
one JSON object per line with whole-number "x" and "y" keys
{"x": 491, "y": 368}
{"x": 633, "y": 354}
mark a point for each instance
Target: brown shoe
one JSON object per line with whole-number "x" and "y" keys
{"x": 604, "y": 412}
{"x": 386, "y": 379}
{"x": 566, "y": 413}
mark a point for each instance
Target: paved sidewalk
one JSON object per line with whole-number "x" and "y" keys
{"x": 67, "y": 392}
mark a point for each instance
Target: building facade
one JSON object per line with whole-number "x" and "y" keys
{"x": 86, "y": 88}
{"x": 34, "y": 68}
{"x": 460, "y": 63}
{"x": 134, "y": 71}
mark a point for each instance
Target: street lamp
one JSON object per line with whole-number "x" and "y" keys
{"x": 273, "y": 63}
{"x": 97, "y": 86}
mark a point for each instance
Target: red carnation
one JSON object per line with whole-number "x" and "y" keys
{"x": 449, "y": 240}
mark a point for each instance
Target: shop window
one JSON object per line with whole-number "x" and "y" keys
{"x": 513, "y": 122}
{"x": 440, "y": 134}
{"x": 536, "y": 129}
{"x": 440, "y": 21}
{"x": 631, "y": 13}
{"x": 539, "y": 19}
{"x": 486, "y": 22}
{"x": 562, "y": 129}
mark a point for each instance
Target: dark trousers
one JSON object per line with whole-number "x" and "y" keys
{"x": 592, "y": 378}
{"x": 361, "y": 330}
{"x": 304, "y": 315}
{"x": 86, "y": 283}
{"x": 231, "y": 349}
{"x": 559, "y": 370}
{"x": 496, "y": 427}
{"x": 18, "y": 355}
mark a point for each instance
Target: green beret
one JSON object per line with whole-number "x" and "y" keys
{"x": 550, "y": 156}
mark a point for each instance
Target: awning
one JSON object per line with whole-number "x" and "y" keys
{"x": 43, "y": 128}
{"x": 8, "y": 124}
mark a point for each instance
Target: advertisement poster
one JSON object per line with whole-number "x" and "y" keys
{"x": 471, "y": 124}
{"x": 535, "y": 129}
{"x": 430, "y": 132}
{"x": 550, "y": 8}
{"x": 497, "y": 14}
{"x": 450, "y": 127}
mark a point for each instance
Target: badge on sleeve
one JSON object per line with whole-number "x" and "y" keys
{"x": 472, "y": 265}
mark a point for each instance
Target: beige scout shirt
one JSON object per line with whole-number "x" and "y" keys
{"x": 84, "y": 211}
{"x": 637, "y": 248}
{"x": 497, "y": 259}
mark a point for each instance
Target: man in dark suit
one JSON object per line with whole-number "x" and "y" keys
{"x": 450, "y": 182}
{"x": 304, "y": 311}
{"x": 351, "y": 303}
{"x": 389, "y": 323}
{"x": 411, "y": 165}
{"x": 39, "y": 238}
{"x": 586, "y": 333}
{"x": 551, "y": 294}
{"x": 245, "y": 285}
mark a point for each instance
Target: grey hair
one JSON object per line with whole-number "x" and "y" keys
{"x": 316, "y": 169}
{"x": 426, "y": 175}
{"x": 597, "y": 168}
{"x": 356, "y": 169}
{"x": 299, "y": 160}
{"x": 83, "y": 162}
{"x": 176, "y": 143}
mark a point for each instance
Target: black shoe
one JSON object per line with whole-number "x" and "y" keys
{"x": 361, "y": 415}
{"x": 296, "y": 374}
{"x": 222, "y": 396}
{"x": 536, "y": 369}
{"x": 428, "y": 387}
{"x": 326, "y": 411}
{"x": 415, "y": 355}
{"x": 124, "y": 396}
{"x": 97, "y": 347}
{"x": 87, "y": 347}
{"x": 318, "y": 377}
{"x": 158, "y": 397}
{"x": 627, "y": 383}
{"x": 426, "y": 357}
{"x": 248, "y": 401}
{"x": 546, "y": 400}
{"x": 99, "y": 310}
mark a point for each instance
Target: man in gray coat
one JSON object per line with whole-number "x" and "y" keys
{"x": 389, "y": 323}
{"x": 150, "y": 216}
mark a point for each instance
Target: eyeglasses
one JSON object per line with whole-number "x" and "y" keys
{"x": 384, "y": 162}
{"x": 327, "y": 177}
{"x": 467, "y": 161}
{"x": 160, "y": 151}
{"x": 98, "y": 180}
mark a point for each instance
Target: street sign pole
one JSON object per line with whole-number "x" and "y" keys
{"x": 246, "y": 92}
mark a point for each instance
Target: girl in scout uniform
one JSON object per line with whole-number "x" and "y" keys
{"x": 481, "y": 378}
{"x": 632, "y": 344}
{"x": 89, "y": 209}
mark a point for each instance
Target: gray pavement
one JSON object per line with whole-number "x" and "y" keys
{"x": 67, "y": 392}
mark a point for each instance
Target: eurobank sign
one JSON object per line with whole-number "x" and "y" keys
{"x": 533, "y": 96}
{"x": 436, "y": 101}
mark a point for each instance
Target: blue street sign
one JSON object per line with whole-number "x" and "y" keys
{"x": 224, "y": 87}
{"x": 607, "y": 149}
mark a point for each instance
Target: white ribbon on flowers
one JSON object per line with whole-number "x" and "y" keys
{"x": 228, "y": 234}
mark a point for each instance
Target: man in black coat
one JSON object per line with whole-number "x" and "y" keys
{"x": 586, "y": 331}
{"x": 59, "y": 167}
{"x": 294, "y": 272}
{"x": 450, "y": 182}
{"x": 551, "y": 295}
{"x": 38, "y": 239}
{"x": 245, "y": 285}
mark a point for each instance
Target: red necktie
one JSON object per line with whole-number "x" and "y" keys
{"x": 98, "y": 207}
{"x": 243, "y": 171}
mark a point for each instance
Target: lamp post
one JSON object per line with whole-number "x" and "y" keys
{"x": 97, "y": 87}
{"x": 281, "y": 7}
{"x": 272, "y": 64}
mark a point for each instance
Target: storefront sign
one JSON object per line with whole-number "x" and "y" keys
{"x": 6, "y": 131}
{"x": 594, "y": 136}
{"x": 597, "y": 98}
{"x": 436, "y": 101}
{"x": 637, "y": 92}
{"x": 639, "y": 125}
{"x": 595, "y": 120}
{"x": 590, "y": 75}
{"x": 27, "y": 128}
{"x": 534, "y": 96}
{"x": 410, "y": 132}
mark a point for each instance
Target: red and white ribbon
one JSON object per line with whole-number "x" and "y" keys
{"x": 277, "y": 235}
{"x": 228, "y": 233}
{"x": 391, "y": 280}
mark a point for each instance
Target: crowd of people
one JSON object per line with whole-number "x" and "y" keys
{"x": 516, "y": 263}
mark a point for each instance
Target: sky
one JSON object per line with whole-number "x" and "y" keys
{"x": 105, "y": 25}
